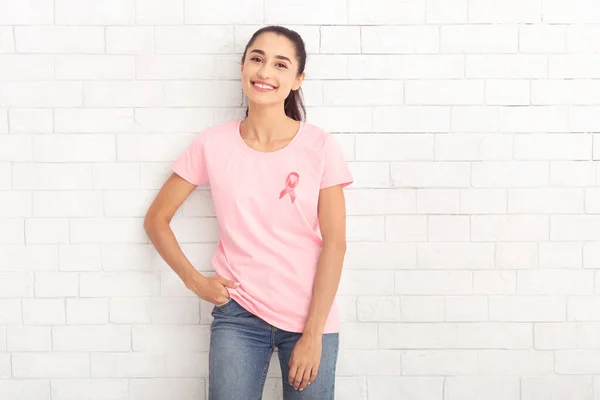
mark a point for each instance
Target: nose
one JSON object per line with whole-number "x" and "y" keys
{"x": 264, "y": 71}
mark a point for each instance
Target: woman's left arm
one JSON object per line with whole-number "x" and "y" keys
{"x": 332, "y": 220}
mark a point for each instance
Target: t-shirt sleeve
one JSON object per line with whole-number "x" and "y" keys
{"x": 335, "y": 170}
{"x": 191, "y": 164}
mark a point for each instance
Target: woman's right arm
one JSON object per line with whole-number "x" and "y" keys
{"x": 157, "y": 226}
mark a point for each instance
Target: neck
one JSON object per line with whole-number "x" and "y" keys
{"x": 264, "y": 123}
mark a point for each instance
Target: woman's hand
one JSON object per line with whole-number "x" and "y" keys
{"x": 211, "y": 288}
{"x": 304, "y": 361}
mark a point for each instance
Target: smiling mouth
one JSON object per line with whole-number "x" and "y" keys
{"x": 263, "y": 86}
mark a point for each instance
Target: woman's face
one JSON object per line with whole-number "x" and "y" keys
{"x": 269, "y": 71}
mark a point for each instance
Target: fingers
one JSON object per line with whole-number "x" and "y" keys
{"x": 229, "y": 283}
{"x": 299, "y": 377}
{"x": 305, "y": 379}
{"x": 292, "y": 375}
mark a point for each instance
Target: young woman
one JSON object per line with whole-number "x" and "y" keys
{"x": 276, "y": 183}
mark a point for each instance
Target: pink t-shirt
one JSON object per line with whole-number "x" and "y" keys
{"x": 266, "y": 208}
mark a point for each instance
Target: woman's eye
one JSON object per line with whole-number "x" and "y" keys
{"x": 255, "y": 58}
{"x": 283, "y": 65}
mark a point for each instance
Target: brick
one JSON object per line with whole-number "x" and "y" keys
{"x": 366, "y": 228}
{"x": 423, "y": 308}
{"x": 411, "y": 119}
{"x": 506, "y": 66}
{"x": 471, "y": 39}
{"x": 506, "y": 228}
{"x": 60, "y": 39}
{"x": 439, "y": 362}
{"x": 46, "y": 231}
{"x": 27, "y": 389}
{"x": 425, "y": 388}
{"x": 476, "y": 256}
{"x": 79, "y": 257}
{"x": 51, "y": 365}
{"x": 15, "y": 12}
{"x": 302, "y": 12}
{"x": 473, "y": 147}
{"x": 10, "y": 312}
{"x": 370, "y": 174}
{"x": 406, "y": 228}
{"x": 441, "y": 228}
{"x": 433, "y": 282}
{"x": 85, "y": 389}
{"x": 43, "y": 312}
{"x": 380, "y": 12}
{"x": 483, "y": 201}
{"x": 91, "y": 338}
{"x": 442, "y": 12}
{"x": 523, "y": 308}
{"x": 88, "y": 12}
{"x": 437, "y": 201}
{"x": 41, "y": 94}
{"x": 155, "y": 389}
{"x": 340, "y": 40}
{"x": 16, "y": 148}
{"x": 125, "y": 284}
{"x": 473, "y": 119}
{"x": 507, "y": 92}
{"x": 31, "y": 121}
{"x": 28, "y": 338}
{"x": 357, "y": 282}
{"x": 545, "y": 201}
{"x": 380, "y": 255}
{"x": 123, "y": 94}
{"x": 87, "y": 311}
{"x": 532, "y": 387}
{"x": 583, "y": 11}
{"x": 26, "y": 67}
{"x": 366, "y": 362}
{"x": 513, "y": 11}
{"x": 16, "y": 284}
{"x": 7, "y": 41}
{"x": 362, "y": 92}
{"x": 430, "y": 174}
{"x": 359, "y": 336}
{"x": 378, "y": 308}
{"x": 504, "y": 174}
{"x": 494, "y": 335}
{"x": 400, "y": 39}
{"x": 542, "y": 38}
{"x": 406, "y": 66}
{"x": 516, "y": 255}
{"x": 129, "y": 40}
{"x": 107, "y": 230}
{"x": 555, "y": 336}
{"x": 494, "y": 282}
{"x": 127, "y": 365}
{"x": 156, "y": 12}
{"x": 193, "y": 39}
{"x": 482, "y": 387}
{"x": 170, "y": 338}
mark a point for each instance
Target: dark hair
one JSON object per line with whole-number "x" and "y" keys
{"x": 293, "y": 105}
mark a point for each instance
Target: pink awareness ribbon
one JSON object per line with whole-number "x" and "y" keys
{"x": 291, "y": 182}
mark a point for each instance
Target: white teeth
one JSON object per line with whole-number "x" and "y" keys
{"x": 264, "y": 86}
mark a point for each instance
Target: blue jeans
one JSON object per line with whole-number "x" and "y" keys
{"x": 241, "y": 345}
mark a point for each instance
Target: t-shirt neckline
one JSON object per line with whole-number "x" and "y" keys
{"x": 268, "y": 153}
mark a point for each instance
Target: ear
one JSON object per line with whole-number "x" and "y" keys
{"x": 298, "y": 81}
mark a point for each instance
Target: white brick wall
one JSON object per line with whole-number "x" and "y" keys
{"x": 472, "y": 128}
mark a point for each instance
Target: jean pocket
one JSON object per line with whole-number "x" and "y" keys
{"x": 220, "y": 306}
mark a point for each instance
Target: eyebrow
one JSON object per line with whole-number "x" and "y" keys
{"x": 277, "y": 56}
